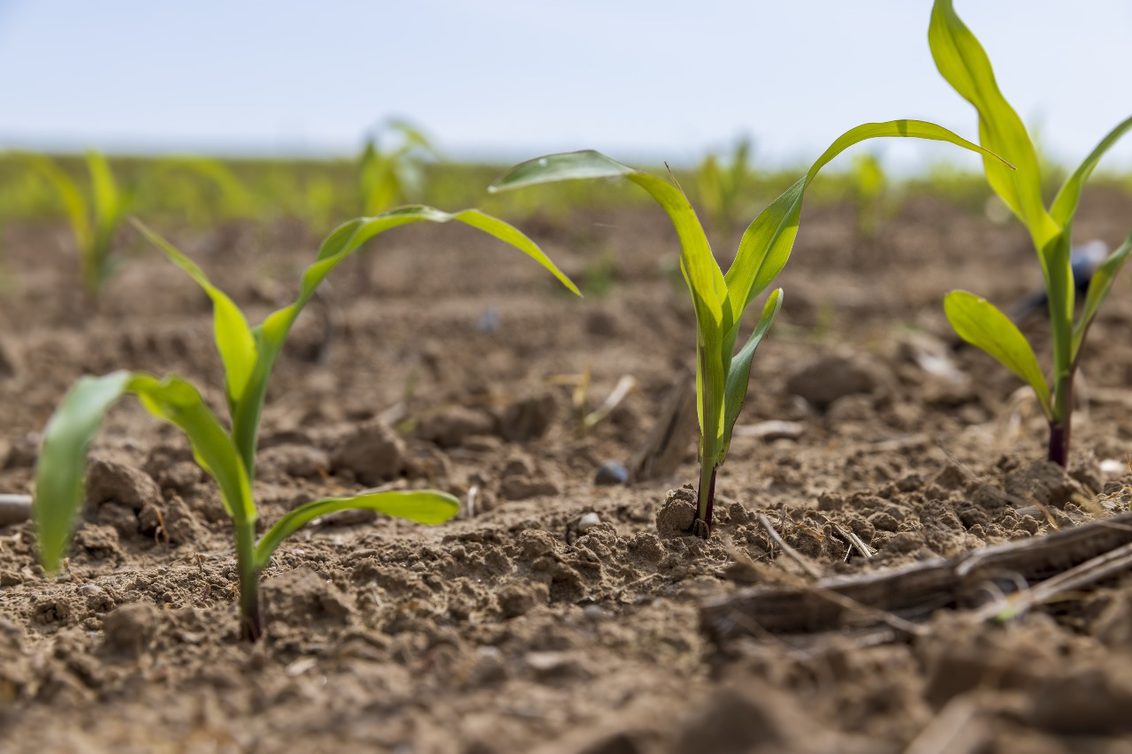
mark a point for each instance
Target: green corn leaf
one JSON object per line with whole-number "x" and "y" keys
{"x": 964, "y": 64}
{"x": 336, "y": 248}
{"x": 71, "y": 197}
{"x": 1065, "y": 203}
{"x": 61, "y": 469}
{"x": 1099, "y": 287}
{"x": 739, "y": 374}
{"x": 422, "y": 507}
{"x": 566, "y": 166}
{"x": 350, "y": 236}
{"x": 701, "y": 272}
{"x": 106, "y": 198}
{"x": 766, "y": 244}
{"x": 234, "y": 338}
{"x": 62, "y": 461}
{"x": 980, "y": 323}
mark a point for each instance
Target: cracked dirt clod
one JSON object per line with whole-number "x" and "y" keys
{"x": 110, "y": 481}
{"x": 831, "y": 377}
{"x": 528, "y": 418}
{"x": 675, "y": 516}
{"x": 372, "y": 452}
{"x": 449, "y": 427}
{"x": 129, "y": 629}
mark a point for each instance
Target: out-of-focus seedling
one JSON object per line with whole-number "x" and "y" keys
{"x": 388, "y": 174}
{"x": 965, "y": 65}
{"x": 719, "y": 300}
{"x": 724, "y": 182}
{"x": 869, "y": 187}
{"x": 228, "y": 454}
{"x": 94, "y": 220}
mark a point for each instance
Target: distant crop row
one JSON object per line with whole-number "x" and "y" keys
{"x": 227, "y": 451}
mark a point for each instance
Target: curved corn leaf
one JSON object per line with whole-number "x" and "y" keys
{"x": 565, "y": 166}
{"x": 234, "y": 196}
{"x": 233, "y": 336}
{"x": 1064, "y": 205}
{"x": 701, "y": 272}
{"x": 61, "y": 468}
{"x": 962, "y": 61}
{"x": 1099, "y": 287}
{"x": 62, "y": 461}
{"x": 350, "y": 236}
{"x": 106, "y": 199}
{"x": 271, "y": 334}
{"x": 70, "y": 195}
{"x": 767, "y": 243}
{"x": 739, "y": 373}
{"x": 422, "y": 507}
{"x": 981, "y": 324}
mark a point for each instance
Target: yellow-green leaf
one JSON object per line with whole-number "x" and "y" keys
{"x": 980, "y": 323}
{"x": 423, "y": 507}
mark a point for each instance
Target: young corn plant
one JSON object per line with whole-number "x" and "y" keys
{"x": 228, "y": 453}
{"x": 723, "y": 183}
{"x": 720, "y": 299}
{"x": 93, "y": 221}
{"x": 869, "y": 183}
{"x": 965, "y": 65}
{"x": 386, "y": 176}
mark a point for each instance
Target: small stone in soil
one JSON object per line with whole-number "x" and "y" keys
{"x": 588, "y": 521}
{"x": 610, "y": 473}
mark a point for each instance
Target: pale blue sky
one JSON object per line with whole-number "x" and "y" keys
{"x": 510, "y": 78}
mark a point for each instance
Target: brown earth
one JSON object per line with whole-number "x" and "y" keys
{"x": 553, "y": 617}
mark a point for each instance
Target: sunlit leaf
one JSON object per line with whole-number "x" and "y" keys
{"x": 766, "y": 244}
{"x": 964, "y": 64}
{"x": 233, "y": 336}
{"x": 739, "y": 374}
{"x": 62, "y": 462}
{"x": 1065, "y": 203}
{"x": 421, "y": 506}
{"x": 1099, "y": 287}
{"x": 980, "y": 323}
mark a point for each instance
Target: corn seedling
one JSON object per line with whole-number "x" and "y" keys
{"x": 93, "y": 221}
{"x": 722, "y": 183}
{"x": 869, "y": 186}
{"x": 719, "y": 299}
{"x": 385, "y": 177}
{"x": 965, "y": 65}
{"x": 228, "y": 454}
{"x": 223, "y": 193}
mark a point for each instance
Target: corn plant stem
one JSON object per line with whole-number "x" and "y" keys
{"x": 1061, "y": 423}
{"x": 251, "y": 616}
{"x": 705, "y": 501}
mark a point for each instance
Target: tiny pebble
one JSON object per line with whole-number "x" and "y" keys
{"x": 588, "y": 521}
{"x": 1112, "y": 467}
{"x": 771, "y": 430}
{"x": 611, "y": 472}
{"x": 593, "y": 612}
